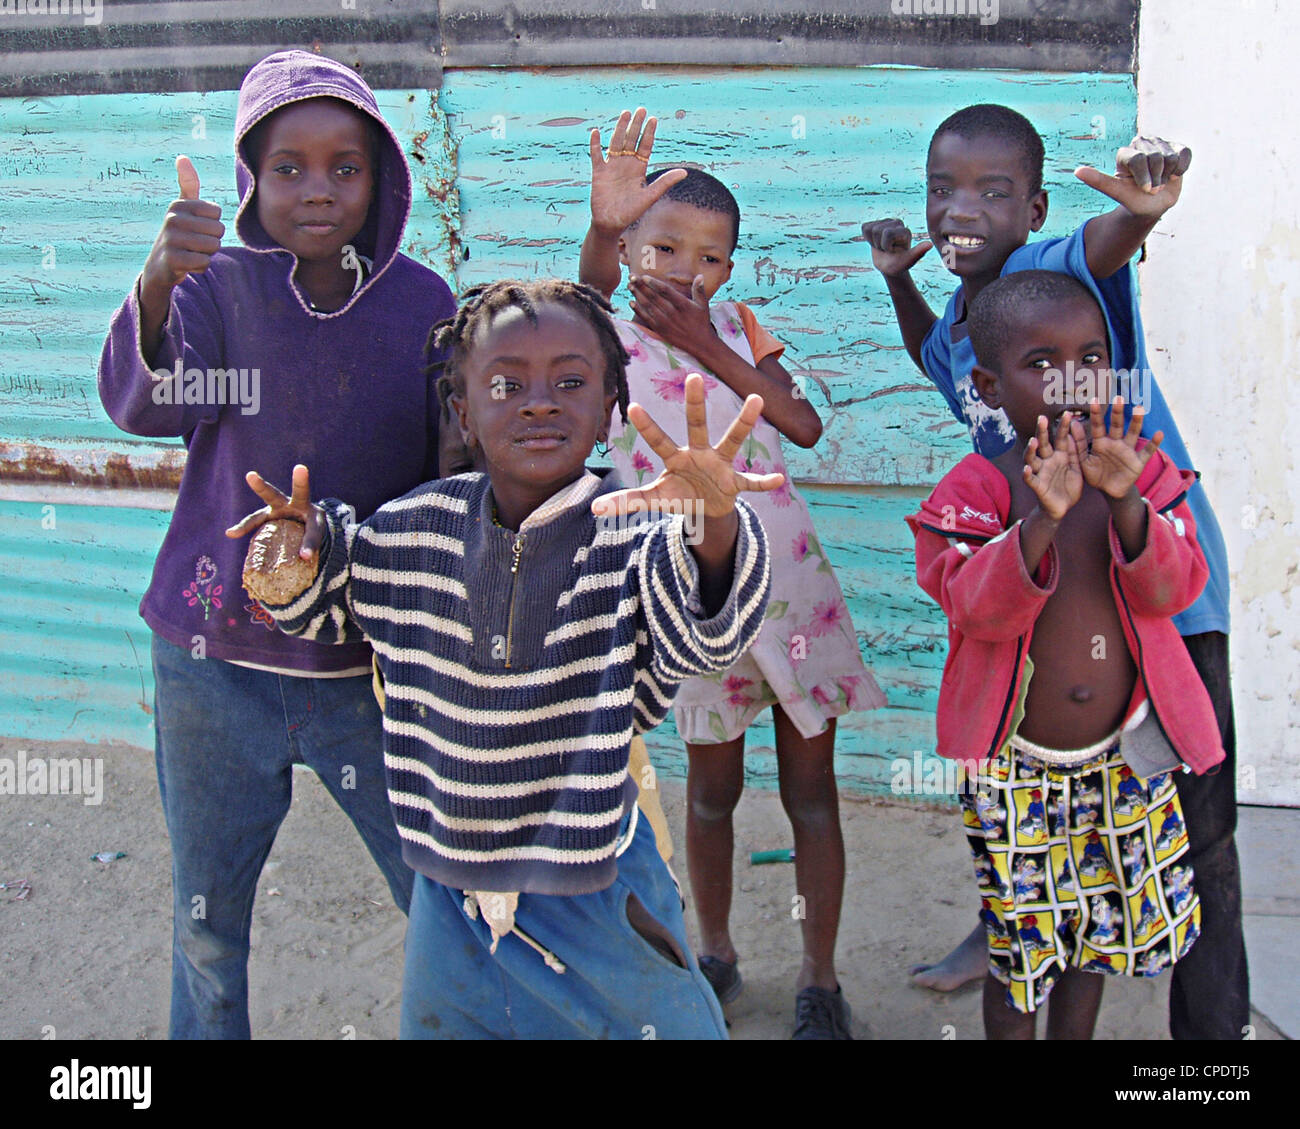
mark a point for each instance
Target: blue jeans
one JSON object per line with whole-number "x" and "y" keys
{"x": 227, "y": 739}
{"x": 621, "y": 981}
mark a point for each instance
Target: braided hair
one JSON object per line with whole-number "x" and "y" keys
{"x": 449, "y": 340}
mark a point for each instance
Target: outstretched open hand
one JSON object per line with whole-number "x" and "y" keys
{"x": 698, "y": 472}
{"x": 619, "y": 193}
{"x": 1052, "y": 471}
{"x": 1112, "y": 463}
{"x": 298, "y": 506}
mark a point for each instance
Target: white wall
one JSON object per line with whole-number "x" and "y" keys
{"x": 1221, "y": 301}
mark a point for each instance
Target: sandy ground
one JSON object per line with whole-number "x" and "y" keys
{"x": 87, "y": 951}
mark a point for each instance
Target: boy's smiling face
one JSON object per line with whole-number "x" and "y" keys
{"x": 1054, "y": 358}
{"x": 675, "y": 241}
{"x": 978, "y": 204}
{"x": 315, "y": 177}
{"x": 535, "y": 403}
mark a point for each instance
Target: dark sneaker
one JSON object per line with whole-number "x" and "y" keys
{"x": 819, "y": 1014}
{"x": 723, "y": 978}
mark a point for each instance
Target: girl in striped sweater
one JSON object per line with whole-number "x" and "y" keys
{"x": 527, "y": 623}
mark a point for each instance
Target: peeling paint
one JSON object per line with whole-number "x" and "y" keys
{"x": 434, "y": 153}
{"x": 803, "y": 192}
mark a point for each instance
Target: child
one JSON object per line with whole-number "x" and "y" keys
{"x": 523, "y": 640}
{"x": 456, "y": 457}
{"x": 676, "y": 231}
{"x": 1044, "y": 558}
{"x": 325, "y": 313}
{"x": 984, "y": 197}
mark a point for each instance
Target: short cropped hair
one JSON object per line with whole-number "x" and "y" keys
{"x": 1003, "y": 304}
{"x": 701, "y": 190}
{"x": 1002, "y": 122}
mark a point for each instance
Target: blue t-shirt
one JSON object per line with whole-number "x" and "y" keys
{"x": 949, "y": 365}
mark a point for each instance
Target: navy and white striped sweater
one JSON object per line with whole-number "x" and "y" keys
{"x": 512, "y": 696}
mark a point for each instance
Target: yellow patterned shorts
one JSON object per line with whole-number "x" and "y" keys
{"x": 1078, "y": 867}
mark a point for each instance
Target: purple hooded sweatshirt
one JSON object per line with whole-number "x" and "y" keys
{"x": 343, "y": 392}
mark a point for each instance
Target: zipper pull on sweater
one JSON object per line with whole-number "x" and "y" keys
{"x": 517, "y": 549}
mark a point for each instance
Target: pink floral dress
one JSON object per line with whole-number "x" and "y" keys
{"x": 806, "y": 658}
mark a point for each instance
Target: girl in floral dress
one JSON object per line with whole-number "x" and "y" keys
{"x": 676, "y": 230}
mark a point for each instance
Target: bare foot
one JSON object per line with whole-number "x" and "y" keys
{"x": 968, "y": 961}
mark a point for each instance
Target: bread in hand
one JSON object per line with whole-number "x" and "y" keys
{"x": 274, "y": 573}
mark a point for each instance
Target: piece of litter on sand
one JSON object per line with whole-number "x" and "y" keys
{"x": 107, "y": 856}
{"x": 274, "y": 892}
{"x": 20, "y": 886}
{"x": 373, "y": 902}
{"x": 757, "y": 858}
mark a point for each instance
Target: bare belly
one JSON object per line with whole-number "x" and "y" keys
{"x": 1083, "y": 673}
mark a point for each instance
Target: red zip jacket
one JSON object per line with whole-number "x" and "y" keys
{"x": 970, "y": 562}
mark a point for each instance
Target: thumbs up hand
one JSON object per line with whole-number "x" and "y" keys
{"x": 1148, "y": 176}
{"x": 190, "y": 236}
{"x": 187, "y": 177}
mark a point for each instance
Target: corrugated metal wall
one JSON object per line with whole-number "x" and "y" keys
{"x": 74, "y": 655}
{"x": 810, "y": 154}
{"x": 93, "y": 108}
{"x": 109, "y": 46}
{"x": 88, "y": 178}
{"x": 86, "y": 182}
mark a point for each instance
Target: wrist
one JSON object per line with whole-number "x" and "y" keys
{"x": 717, "y": 536}
{"x": 1139, "y": 224}
{"x": 704, "y": 344}
{"x": 1124, "y": 501}
{"x": 154, "y": 295}
{"x": 604, "y": 232}
{"x": 720, "y": 517}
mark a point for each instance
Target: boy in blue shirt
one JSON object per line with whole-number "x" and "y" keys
{"x": 984, "y": 197}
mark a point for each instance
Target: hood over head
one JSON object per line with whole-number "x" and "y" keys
{"x": 294, "y": 76}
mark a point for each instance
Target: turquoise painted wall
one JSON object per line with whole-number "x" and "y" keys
{"x": 810, "y": 155}
{"x": 523, "y": 171}
{"x": 74, "y": 655}
{"x": 501, "y": 169}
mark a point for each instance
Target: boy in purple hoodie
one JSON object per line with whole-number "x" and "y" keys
{"x": 303, "y": 345}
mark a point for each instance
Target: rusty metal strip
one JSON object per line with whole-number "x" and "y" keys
{"x": 148, "y": 468}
